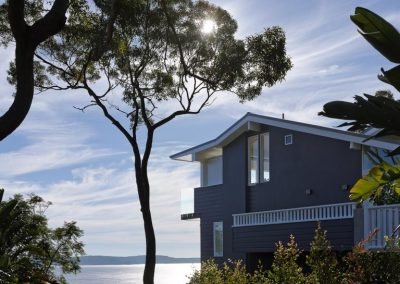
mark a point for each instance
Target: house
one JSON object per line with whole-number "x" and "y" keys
{"x": 266, "y": 178}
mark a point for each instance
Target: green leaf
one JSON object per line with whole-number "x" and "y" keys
{"x": 379, "y": 33}
{"x": 391, "y": 77}
{"x": 364, "y": 188}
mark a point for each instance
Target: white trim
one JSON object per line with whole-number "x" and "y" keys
{"x": 288, "y": 139}
{"x": 215, "y": 253}
{"x": 385, "y": 218}
{"x": 296, "y": 215}
{"x": 247, "y": 122}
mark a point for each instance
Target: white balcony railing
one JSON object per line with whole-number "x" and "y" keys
{"x": 385, "y": 218}
{"x": 295, "y": 215}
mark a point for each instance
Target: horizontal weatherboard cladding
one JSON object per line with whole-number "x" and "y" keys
{"x": 322, "y": 166}
{"x": 263, "y": 238}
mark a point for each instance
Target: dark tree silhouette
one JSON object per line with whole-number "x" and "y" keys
{"x": 27, "y": 38}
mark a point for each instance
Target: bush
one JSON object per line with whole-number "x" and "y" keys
{"x": 322, "y": 260}
{"x": 364, "y": 266}
{"x": 357, "y": 267}
{"x": 209, "y": 273}
{"x": 285, "y": 268}
{"x": 259, "y": 276}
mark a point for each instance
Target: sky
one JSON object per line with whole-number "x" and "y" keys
{"x": 83, "y": 165}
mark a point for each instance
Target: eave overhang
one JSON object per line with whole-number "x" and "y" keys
{"x": 254, "y": 122}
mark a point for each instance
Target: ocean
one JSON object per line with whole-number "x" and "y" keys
{"x": 132, "y": 274}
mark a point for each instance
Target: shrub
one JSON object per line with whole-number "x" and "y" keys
{"x": 368, "y": 266}
{"x": 235, "y": 272}
{"x": 358, "y": 267}
{"x": 259, "y": 276}
{"x": 322, "y": 260}
{"x": 208, "y": 273}
{"x": 285, "y": 268}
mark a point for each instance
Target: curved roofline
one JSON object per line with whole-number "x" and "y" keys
{"x": 244, "y": 122}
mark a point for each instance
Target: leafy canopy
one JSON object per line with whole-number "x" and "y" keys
{"x": 154, "y": 51}
{"x": 29, "y": 249}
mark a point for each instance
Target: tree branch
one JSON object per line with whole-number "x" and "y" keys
{"x": 16, "y": 9}
{"x": 51, "y": 23}
{"x": 101, "y": 47}
{"x": 26, "y": 43}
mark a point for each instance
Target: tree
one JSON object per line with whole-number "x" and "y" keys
{"x": 29, "y": 249}
{"x": 28, "y": 30}
{"x": 381, "y": 111}
{"x": 152, "y": 54}
{"x": 322, "y": 260}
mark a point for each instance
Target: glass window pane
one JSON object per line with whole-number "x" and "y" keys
{"x": 265, "y": 157}
{"x": 218, "y": 239}
{"x": 373, "y": 156}
{"x": 253, "y": 156}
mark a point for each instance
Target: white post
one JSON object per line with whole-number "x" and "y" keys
{"x": 367, "y": 223}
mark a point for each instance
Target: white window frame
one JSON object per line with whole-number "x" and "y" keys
{"x": 217, "y": 225}
{"x": 249, "y": 160}
{"x": 289, "y": 139}
{"x": 260, "y": 159}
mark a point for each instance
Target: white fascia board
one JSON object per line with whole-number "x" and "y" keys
{"x": 247, "y": 123}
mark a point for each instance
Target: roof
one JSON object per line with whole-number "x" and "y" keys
{"x": 252, "y": 121}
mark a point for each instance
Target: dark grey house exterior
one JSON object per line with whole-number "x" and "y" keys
{"x": 266, "y": 178}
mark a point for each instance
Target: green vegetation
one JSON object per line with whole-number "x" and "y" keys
{"x": 285, "y": 268}
{"x": 29, "y": 249}
{"x": 322, "y": 260}
{"x": 358, "y": 266}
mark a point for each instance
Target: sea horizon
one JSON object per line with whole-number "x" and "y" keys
{"x": 166, "y": 273}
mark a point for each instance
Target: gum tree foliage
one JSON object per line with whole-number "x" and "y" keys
{"x": 29, "y": 249}
{"x": 381, "y": 111}
{"x": 28, "y": 24}
{"x": 153, "y": 54}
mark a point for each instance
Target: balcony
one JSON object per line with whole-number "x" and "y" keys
{"x": 386, "y": 219}
{"x": 295, "y": 215}
{"x": 187, "y": 204}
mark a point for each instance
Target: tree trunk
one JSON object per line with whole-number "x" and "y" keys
{"x": 24, "y": 95}
{"x": 144, "y": 197}
{"x": 149, "y": 268}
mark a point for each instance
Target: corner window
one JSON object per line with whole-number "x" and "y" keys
{"x": 373, "y": 156}
{"x": 218, "y": 236}
{"x": 258, "y": 158}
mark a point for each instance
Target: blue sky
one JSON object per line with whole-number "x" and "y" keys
{"x": 84, "y": 166}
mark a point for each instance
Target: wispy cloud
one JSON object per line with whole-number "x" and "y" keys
{"x": 104, "y": 203}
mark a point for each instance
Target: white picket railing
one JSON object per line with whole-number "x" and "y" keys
{"x": 295, "y": 215}
{"x": 385, "y": 218}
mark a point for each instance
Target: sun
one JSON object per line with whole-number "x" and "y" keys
{"x": 208, "y": 26}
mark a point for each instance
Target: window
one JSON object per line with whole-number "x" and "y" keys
{"x": 373, "y": 156}
{"x": 211, "y": 171}
{"x": 218, "y": 232}
{"x": 253, "y": 159}
{"x": 289, "y": 139}
{"x": 258, "y": 158}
